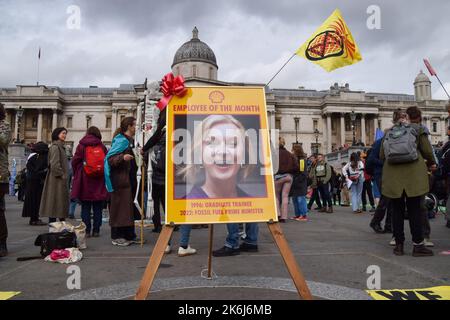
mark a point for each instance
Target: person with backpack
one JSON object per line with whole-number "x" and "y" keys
{"x": 37, "y": 166}
{"x": 354, "y": 177}
{"x": 55, "y": 196}
{"x": 158, "y": 142}
{"x": 88, "y": 185}
{"x": 5, "y": 139}
{"x": 405, "y": 181}
{"x": 300, "y": 186}
{"x": 322, "y": 174}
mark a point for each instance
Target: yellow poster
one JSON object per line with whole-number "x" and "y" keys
{"x": 435, "y": 293}
{"x": 218, "y": 160}
{"x": 8, "y": 295}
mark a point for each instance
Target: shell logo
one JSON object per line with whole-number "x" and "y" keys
{"x": 216, "y": 96}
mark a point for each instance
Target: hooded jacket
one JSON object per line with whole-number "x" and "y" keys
{"x": 86, "y": 188}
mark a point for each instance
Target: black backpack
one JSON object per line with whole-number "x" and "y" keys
{"x": 444, "y": 160}
{"x": 160, "y": 155}
{"x": 55, "y": 240}
{"x": 51, "y": 241}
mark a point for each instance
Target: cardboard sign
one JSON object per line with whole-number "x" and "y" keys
{"x": 218, "y": 159}
{"x": 435, "y": 293}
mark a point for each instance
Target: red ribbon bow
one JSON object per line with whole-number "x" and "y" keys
{"x": 171, "y": 86}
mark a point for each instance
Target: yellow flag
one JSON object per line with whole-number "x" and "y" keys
{"x": 332, "y": 45}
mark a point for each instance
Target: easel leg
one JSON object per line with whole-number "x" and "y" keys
{"x": 289, "y": 260}
{"x": 153, "y": 263}
{"x": 211, "y": 233}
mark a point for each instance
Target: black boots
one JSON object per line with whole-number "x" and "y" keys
{"x": 398, "y": 250}
{"x": 376, "y": 227}
{"x": 421, "y": 251}
{"x": 418, "y": 251}
{"x": 3, "y": 250}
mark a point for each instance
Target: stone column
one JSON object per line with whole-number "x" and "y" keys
{"x": 363, "y": 128}
{"x": 342, "y": 129}
{"x": 272, "y": 120}
{"x": 428, "y": 123}
{"x": 329, "y": 133}
{"x": 16, "y": 126}
{"x": 114, "y": 120}
{"x": 39, "y": 126}
{"x": 55, "y": 119}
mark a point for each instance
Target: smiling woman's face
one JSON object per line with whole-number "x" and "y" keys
{"x": 223, "y": 151}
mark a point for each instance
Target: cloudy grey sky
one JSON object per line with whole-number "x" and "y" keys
{"x": 125, "y": 41}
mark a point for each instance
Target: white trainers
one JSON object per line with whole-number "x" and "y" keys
{"x": 168, "y": 249}
{"x": 392, "y": 243}
{"x": 186, "y": 252}
{"x": 120, "y": 242}
{"x": 428, "y": 243}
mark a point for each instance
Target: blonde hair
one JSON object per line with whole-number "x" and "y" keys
{"x": 192, "y": 172}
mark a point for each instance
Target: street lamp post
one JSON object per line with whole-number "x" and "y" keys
{"x": 19, "y": 115}
{"x": 316, "y": 134}
{"x": 353, "y": 118}
{"x": 296, "y": 120}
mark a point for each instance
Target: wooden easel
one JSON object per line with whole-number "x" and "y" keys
{"x": 277, "y": 234}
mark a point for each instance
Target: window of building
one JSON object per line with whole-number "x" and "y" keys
{"x": 108, "y": 122}
{"x": 315, "y": 148}
{"x": 278, "y": 123}
{"x": 434, "y": 127}
{"x": 34, "y": 122}
{"x": 333, "y": 125}
{"x": 122, "y": 116}
{"x": 194, "y": 70}
{"x": 348, "y": 124}
{"x": 69, "y": 121}
{"x": 315, "y": 125}
{"x": 211, "y": 73}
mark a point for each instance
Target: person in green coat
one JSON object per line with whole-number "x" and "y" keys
{"x": 405, "y": 184}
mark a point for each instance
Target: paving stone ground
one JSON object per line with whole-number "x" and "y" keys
{"x": 333, "y": 251}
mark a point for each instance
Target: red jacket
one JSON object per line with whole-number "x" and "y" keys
{"x": 86, "y": 188}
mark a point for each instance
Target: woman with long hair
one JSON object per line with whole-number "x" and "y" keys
{"x": 55, "y": 196}
{"x": 118, "y": 183}
{"x": 88, "y": 185}
{"x": 283, "y": 179}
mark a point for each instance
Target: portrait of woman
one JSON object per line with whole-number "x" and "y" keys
{"x": 218, "y": 159}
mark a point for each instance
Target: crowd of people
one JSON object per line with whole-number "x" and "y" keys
{"x": 392, "y": 180}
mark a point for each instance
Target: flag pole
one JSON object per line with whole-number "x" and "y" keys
{"x": 445, "y": 90}
{"x": 434, "y": 73}
{"x": 284, "y": 65}
{"x": 39, "y": 61}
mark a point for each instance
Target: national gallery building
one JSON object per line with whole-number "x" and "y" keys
{"x": 322, "y": 121}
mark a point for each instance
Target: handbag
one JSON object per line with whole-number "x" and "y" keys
{"x": 55, "y": 240}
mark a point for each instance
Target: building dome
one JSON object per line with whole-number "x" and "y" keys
{"x": 422, "y": 87}
{"x": 194, "y": 51}
{"x": 422, "y": 77}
